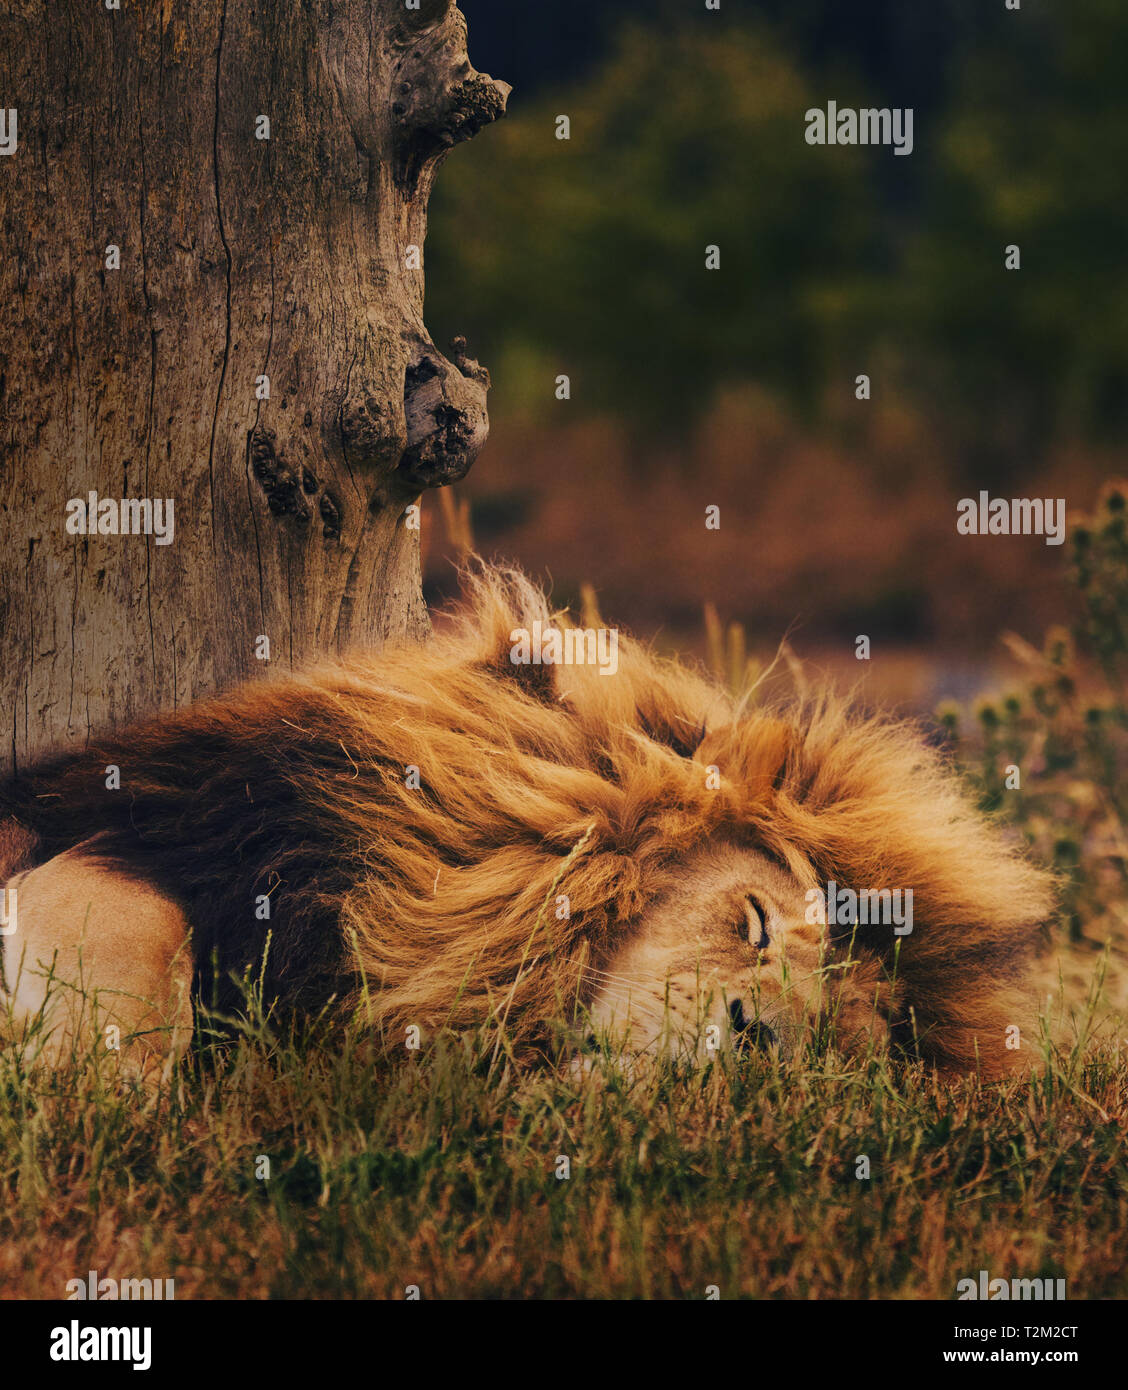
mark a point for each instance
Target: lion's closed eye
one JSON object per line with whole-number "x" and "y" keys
{"x": 753, "y": 925}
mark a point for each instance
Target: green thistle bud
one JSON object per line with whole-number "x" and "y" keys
{"x": 948, "y": 715}
{"x": 987, "y": 714}
{"x": 1114, "y": 497}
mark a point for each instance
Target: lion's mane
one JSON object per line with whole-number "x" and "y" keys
{"x": 439, "y": 903}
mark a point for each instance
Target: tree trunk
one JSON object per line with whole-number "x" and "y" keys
{"x": 253, "y": 259}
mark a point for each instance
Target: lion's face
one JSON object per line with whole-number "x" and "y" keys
{"x": 725, "y": 958}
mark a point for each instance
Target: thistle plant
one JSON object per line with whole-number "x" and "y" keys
{"x": 1052, "y": 752}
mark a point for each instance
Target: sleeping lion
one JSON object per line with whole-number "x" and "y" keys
{"x": 436, "y": 836}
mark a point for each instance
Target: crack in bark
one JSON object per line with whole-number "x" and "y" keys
{"x": 290, "y": 598}
{"x": 247, "y": 471}
{"x": 227, "y": 253}
{"x": 152, "y": 373}
{"x": 348, "y": 594}
{"x": 73, "y": 621}
{"x": 343, "y": 428}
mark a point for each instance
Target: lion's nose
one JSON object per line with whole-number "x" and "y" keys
{"x": 748, "y": 1032}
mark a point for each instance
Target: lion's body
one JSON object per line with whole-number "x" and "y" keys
{"x": 553, "y": 814}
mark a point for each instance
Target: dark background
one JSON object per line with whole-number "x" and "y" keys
{"x": 736, "y": 387}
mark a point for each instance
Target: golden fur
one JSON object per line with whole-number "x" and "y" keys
{"x": 439, "y": 904}
{"x": 102, "y": 960}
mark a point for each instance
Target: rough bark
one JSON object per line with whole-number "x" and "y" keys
{"x": 240, "y": 257}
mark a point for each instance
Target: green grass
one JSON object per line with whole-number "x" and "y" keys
{"x": 438, "y": 1169}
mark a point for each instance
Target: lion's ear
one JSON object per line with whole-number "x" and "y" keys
{"x": 752, "y": 754}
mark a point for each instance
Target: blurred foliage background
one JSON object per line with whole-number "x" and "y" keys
{"x": 736, "y": 387}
